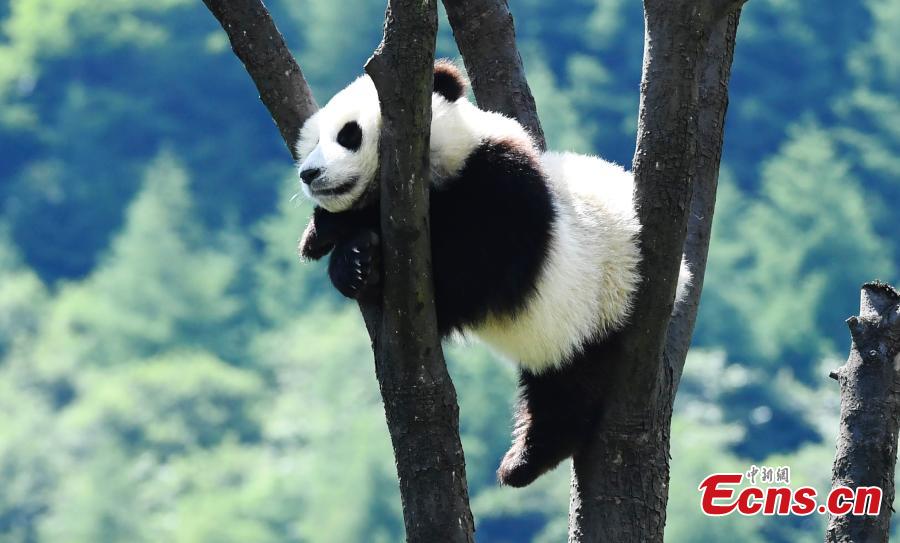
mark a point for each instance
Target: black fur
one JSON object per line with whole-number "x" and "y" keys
{"x": 354, "y": 267}
{"x": 490, "y": 234}
{"x": 555, "y": 412}
{"x": 326, "y": 229}
{"x": 350, "y": 136}
{"x": 448, "y": 81}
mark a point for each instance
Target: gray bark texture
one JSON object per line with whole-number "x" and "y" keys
{"x": 260, "y": 47}
{"x": 870, "y": 413}
{"x": 486, "y": 37}
{"x": 715, "y": 73}
{"x": 419, "y": 398}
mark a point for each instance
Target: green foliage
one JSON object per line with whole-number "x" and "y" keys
{"x": 166, "y": 405}
{"x": 161, "y": 285}
{"x": 170, "y": 372}
{"x": 784, "y": 273}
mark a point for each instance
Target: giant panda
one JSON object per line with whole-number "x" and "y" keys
{"x": 534, "y": 254}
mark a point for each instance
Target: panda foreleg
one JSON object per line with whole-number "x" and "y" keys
{"x": 326, "y": 229}
{"x": 355, "y": 265}
{"x": 313, "y": 245}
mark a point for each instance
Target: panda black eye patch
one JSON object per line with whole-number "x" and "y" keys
{"x": 350, "y": 136}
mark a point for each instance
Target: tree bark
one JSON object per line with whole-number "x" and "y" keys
{"x": 486, "y": 37}
{"x": 420, "y": 401}
{"x": 620, "y": 479}
{"x": 419, "y": 397}
{"x": 259, "y": 45}
{"x": 715, "y": 73}
{"x": 870, "y": 412}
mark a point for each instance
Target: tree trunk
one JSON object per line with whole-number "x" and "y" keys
{"x": 620, "y": 479}
{"x": 420, "y": 401}
{"x": 419, "y": 397}
{"x": 715, "y": 73}
{"x": 870, "y": 413}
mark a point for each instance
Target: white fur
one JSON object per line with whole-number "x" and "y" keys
{"x": 585, "y": 288}
{"x": 457, "y": 128}
{"x": 318, "y": 148}
{"x": 586, "y": 285}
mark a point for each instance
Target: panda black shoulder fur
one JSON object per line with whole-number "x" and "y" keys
{"x": 535, "y": 254}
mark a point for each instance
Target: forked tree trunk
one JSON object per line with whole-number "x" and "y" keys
{"x": 620, "y": 480}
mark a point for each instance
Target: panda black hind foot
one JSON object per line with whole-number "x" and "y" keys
{"x": 553, "y": 418}
{"x": 355, "y": 265}
{"x": 536, "y": 449}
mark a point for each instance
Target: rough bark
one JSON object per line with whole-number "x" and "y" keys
{"x": 259, "y": 45}
{"x": 715, "y": 73}
{"x": 419, "y": 397}
{"x": 870, "y": 412}
{"x": 620, "y": 479}
{"x": 486, "y": 37}
{"x": 420, "y": 401}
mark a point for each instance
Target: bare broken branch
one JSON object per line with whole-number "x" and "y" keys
{"x": 870, "y": 413}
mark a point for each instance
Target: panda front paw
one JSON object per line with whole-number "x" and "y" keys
{"x": 355, "y": 265}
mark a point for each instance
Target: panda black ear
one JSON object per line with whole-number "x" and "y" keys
{"x": 449, "y": 82}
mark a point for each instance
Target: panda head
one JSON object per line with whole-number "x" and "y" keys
{"x": 338, "y": 145}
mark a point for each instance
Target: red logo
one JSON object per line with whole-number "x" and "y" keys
{"x": 721, "y": 495}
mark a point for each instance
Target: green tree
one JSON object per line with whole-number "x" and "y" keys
{"x": 162, "y": 284}
{"x": 785, "y": 271}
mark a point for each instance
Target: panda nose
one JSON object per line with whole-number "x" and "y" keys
{"x": 309, "y": 175}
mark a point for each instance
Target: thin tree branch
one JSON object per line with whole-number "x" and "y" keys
{"x": 419, "y": 397}
{"x": 259, "y": 45}
{"x": 870, "y": 412}
{"x": 715, "y": 73}
{"x": 486, "y": 37}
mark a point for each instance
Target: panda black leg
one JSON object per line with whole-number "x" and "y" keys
{"x": 551, "y": 420}
{"x": 355, "y": 265}
{"x": 554, "y": 416}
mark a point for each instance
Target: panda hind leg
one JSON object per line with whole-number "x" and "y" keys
{"x": 554, "y": 416}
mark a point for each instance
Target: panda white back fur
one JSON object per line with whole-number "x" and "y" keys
{"x": 535, "y": 254}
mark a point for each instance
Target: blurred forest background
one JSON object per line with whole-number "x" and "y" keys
{"x": 170, "y": 372}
